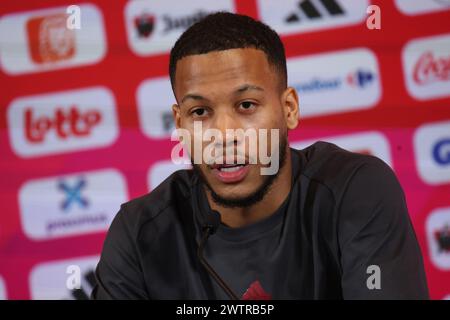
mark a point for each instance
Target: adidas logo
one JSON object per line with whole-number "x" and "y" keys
{"x": 310, "y": 9}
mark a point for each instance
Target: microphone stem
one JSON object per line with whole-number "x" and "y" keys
{"x": 211, "y": 271}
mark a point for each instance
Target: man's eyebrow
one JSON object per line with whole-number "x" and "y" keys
{"x": 247, "y": 87}
{"x": 194, "y": 97}
{"x": 241, "y": 89}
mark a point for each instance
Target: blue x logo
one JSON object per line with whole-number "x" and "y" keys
{"x": 73, "y": 194}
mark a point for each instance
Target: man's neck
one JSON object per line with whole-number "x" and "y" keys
{"x": 278, "y": 192}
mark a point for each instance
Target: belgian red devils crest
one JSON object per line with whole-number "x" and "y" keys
{"x": 256, "y": 292}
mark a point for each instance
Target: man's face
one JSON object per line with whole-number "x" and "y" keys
{"x": 231, "y": 89}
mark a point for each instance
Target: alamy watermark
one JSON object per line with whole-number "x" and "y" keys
{"x": 73, "y": 281}
{"x": 230, "y": 149}
{"x": 74, "y": 17}
{"x": 373, "y": 21}
{"x": 374, "y": 280}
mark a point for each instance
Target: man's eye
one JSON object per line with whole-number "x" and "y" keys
{"x": 199, "y": 112}
{"x": 247, "y": 105}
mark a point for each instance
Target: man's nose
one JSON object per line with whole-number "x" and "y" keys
{"x": 226, "y": 123}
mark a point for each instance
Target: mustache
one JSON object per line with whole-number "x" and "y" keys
{"x": 231, "y": 157}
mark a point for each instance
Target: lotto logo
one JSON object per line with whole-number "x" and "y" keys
{"x": 62, "y": 122}
{"x": 65, "y": 123}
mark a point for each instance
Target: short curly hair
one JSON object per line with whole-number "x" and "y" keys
{"x": 224, "y": 30}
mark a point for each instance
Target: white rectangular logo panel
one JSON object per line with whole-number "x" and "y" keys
{"x": 71, "y": 205}
{"x": 432, "y": 150}
{"x": 438, "y": 234}
{"x": 426, "y": 67}
{"x": 154, "y": 101}
{"x": 335, "y": 82}
{"x": 63, "y": 280}
{"x": 42, "y": 41}
{"x": 411, "y": 7}
{"x": 2, "y": 290}
{"x": 161, "y": 170}
{"x": 154, "y": 26}
{"x": 61, "y": 122}
{"x": 298, "y": 16}
{"x": 371, "y": 143}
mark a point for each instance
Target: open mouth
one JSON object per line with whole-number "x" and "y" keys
{"x": 229, "y": 167}
{"x": 230, "y": 173}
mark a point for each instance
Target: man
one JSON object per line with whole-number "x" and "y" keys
{"x": 328, "y": 224}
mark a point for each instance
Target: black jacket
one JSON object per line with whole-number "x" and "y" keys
{"x": 343, "y": 233}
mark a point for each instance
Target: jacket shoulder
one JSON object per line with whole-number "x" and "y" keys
{"x": 334, "y": 167}
{"x": 175, "y": 188}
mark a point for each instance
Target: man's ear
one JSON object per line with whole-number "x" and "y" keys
{"x": 176, "y": 115}
{"x": 289, "y": 101}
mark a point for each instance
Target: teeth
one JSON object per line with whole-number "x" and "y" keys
{"x": 230, "y": 169}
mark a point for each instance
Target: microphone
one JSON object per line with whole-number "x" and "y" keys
{"x": 210, "y": 227}
{"x": 212, "y": 222}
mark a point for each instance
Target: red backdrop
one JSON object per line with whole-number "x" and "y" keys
{"x": 85, "y": 116}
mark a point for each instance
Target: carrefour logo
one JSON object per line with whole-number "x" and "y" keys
{"x": 359, "y": 79}
{"x": 335, "y": 82}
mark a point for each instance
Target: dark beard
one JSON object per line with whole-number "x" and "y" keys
{"x": 256, "y": 196}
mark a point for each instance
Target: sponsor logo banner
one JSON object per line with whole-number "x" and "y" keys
{"x": 154, "y": 101}
{"x": 162, "y": 170}
{"x": 57, "y": 280}
{"x": 426, "y": 67}
{"x": 371, "y": 143}
{"x": 335, "y": 82}
{"x": 42, "y": 41}
{"x": 294, "y": 16}
{"x": 70, "y": 205}
{"x": 432, "y": 149}
{"x": 62, "y": 122}
{"x": 423, "y": 6}
{"x": 154, "y": 26}
{"x": 438, "y": 234}
{"x": 2, "y": 289}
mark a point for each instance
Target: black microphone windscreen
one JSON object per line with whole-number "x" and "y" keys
{"x": 212, "y": 221}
